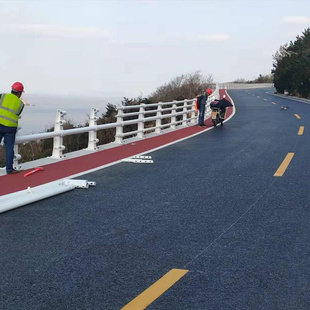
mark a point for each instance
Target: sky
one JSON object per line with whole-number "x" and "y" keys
{"x": 129, "y": 48}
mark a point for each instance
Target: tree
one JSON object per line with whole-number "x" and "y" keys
{"x": 264, "y": 79}
{"x": 268, "y": 78}
{"x": 185, "y": 86}
{"x": 291, "y": 66}
{"x": 107, "y": 135}
{"x": 241, "y": 80}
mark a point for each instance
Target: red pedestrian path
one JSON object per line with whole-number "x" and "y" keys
{"x": 70, "y": 167}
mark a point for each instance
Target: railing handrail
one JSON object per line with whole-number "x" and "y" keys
{"x": 128, "y": 107}
{"x": 73, "y": 131}
{"x": 230, "y": 85}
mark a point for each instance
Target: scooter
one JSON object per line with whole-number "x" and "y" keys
{"x": 217, "y": 115}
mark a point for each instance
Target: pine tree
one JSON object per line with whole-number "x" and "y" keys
{"x": 291, "y": 67}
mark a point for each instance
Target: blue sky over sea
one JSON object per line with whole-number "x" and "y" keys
{"x": 40, "y": 112}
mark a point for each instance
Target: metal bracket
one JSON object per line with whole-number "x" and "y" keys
{"x": 139, "y": 159}
{"x": 142, "y": 157}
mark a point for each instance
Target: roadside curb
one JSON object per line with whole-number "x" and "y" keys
{"x": 307, "y": 101}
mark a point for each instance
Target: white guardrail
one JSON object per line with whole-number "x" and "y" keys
{"x": 245, "y": 85}
{"x": 163, "y": 110}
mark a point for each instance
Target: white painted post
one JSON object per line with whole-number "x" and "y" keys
{"x": 119, "y": 128}
{"x": 184, "y": 123}
{"x": 208, "y": 109}
{"x": 158, "y": 121}
{"x": 173, "y": 118}
{"x": 58, "y": 146}
{"x": 193, "y": 114}
{"x": 141, "y": 121}
{"x": 17, "y": 156}
{"x": 92, "y": 135}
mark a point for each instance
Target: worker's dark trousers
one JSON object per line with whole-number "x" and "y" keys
{"x": 201, "y": 116}
{"x": 8, "y": 133}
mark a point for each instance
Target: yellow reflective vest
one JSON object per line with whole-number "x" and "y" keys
{"x": 10, "y": 108}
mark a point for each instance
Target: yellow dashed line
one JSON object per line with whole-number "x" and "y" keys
{"x": 281, "y": 170}
{"x": 301, "y": 130}
{"x": 297, "y": 116}
{"x": 154, "y": 291}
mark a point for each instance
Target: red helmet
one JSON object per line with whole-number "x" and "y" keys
{"x": 18, "y": 87}
{"x": 209, "y": 91}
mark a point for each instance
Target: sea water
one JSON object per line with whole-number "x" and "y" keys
{"x": 39, "y": 113}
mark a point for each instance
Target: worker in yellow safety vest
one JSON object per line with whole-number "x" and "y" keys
{"x": 11, "y": 107}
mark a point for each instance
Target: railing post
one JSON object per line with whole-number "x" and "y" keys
{"x": 141, "y": 121}
{"x": 173, "y": 118}
{"x": 193, "y": 113}
{"x": 208, "y": 109}
{"x": 92, "y": 135}
{"x": 17, "y": 156}
{"x": 158, "y": 121}
{"x": 119, "y": 128}
{"x": 58, "y": 146}
{"x": 184, "y": 123}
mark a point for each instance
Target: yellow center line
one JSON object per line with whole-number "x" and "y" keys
{"x": 297, "y": 116}
{"x": 281, "y": 170}
{"x": 301, "y": 130}
{"x": 157, "y": 289}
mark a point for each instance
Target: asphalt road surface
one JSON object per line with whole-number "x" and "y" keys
{"x": 208, "y": 216}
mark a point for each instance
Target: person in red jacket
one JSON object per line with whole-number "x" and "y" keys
{"x": 10, "y": 108}
{"x": 202, "y": 107}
